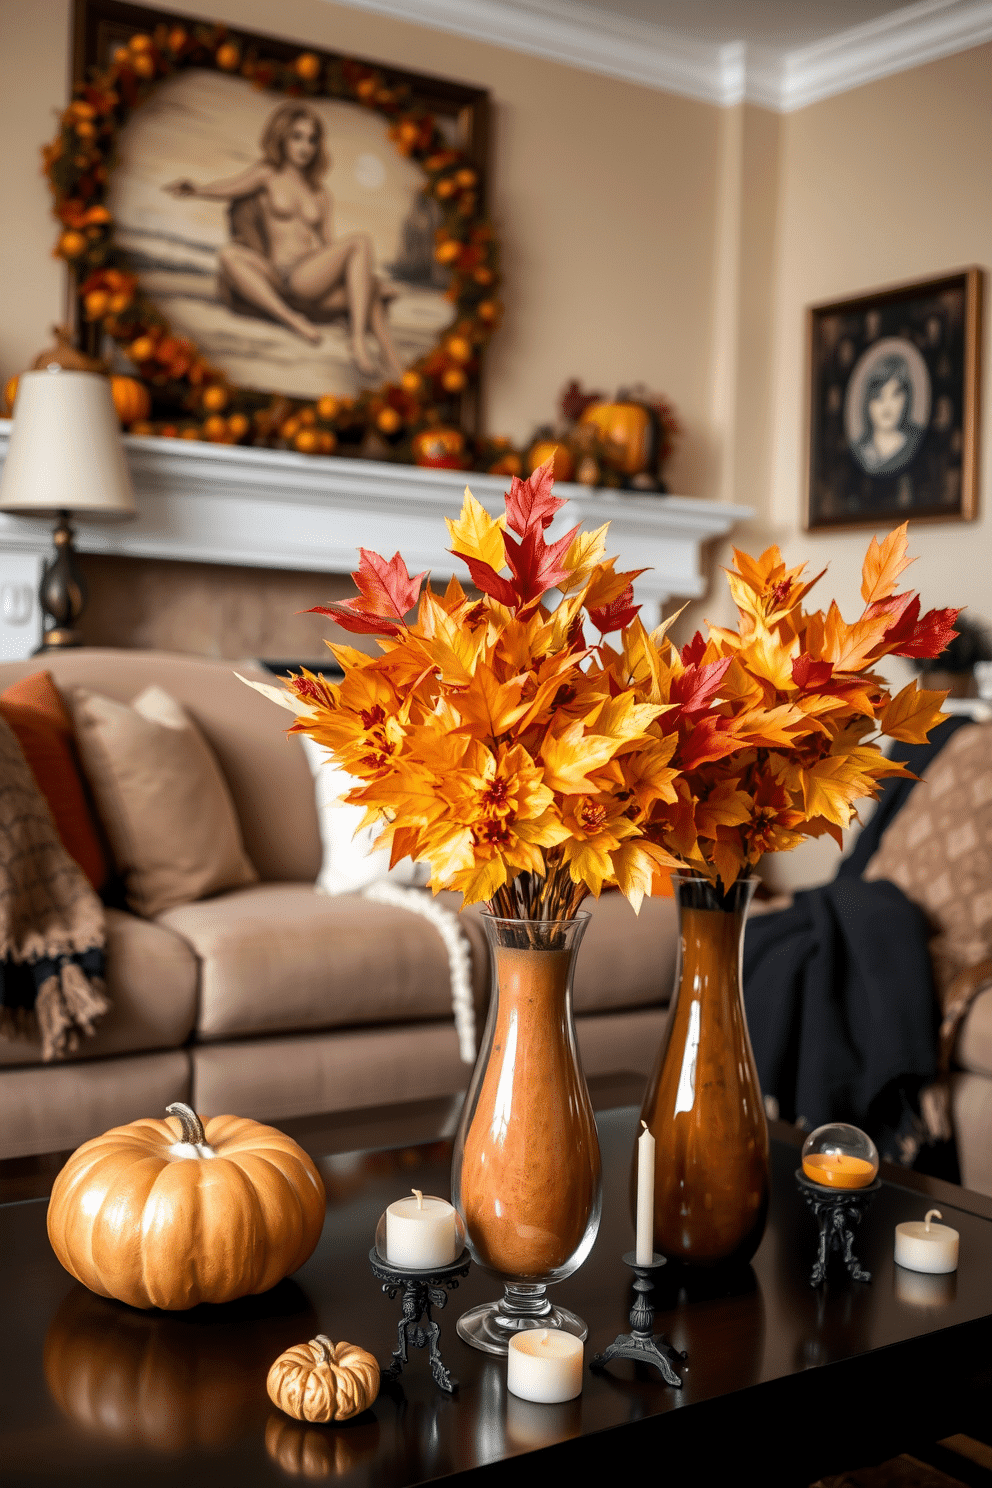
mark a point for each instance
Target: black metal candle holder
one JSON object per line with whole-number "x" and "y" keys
{"x": 838, "y": 1212}
{"x": 641, "y": 1344}
{"x": 422, "y": 1290}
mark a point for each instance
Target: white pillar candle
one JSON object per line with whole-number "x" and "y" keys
{"x": 644, "y": 1243}
{"x": 545, "y": 1365}
{"x": 420, "y": 1233}
{"x": 926, "y": 1246}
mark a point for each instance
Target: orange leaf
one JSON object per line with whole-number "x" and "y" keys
{"x": 883, "y": 565}
{"x": 912, "y": 713}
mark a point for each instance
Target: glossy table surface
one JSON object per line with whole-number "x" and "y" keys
{"x": 92, "y": 1391}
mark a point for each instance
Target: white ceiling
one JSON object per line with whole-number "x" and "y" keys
{"x": 783, "y": 54}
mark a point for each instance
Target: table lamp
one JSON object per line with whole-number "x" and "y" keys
{"x": 65, "y": 456}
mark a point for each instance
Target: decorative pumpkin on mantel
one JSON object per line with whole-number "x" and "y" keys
{"x": 171, "y": 1213}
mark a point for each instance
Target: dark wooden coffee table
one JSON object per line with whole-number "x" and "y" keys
{"x": 782, "y": 1383}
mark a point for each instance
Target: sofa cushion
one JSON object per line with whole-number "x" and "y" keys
{"x": 266, "y": 771}
{"x": 162, "y": 798}
{"x": 151, "y": 984}
{"x": 52, "y": 1107}
{"x": 974, "y": 1046}
{"x": 272, "y": 1078}
{"x": 40, "y": 721}
{"x": 282, "y": 957}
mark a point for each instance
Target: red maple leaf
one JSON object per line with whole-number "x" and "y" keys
{"x": 535, "y": 564}
{"x": 386, "y": 593}
{"x": 698, "y": 686}
{"x": 931, "y": 635}
{"x": 707, "y": 740}
{"x": 485, "y": 578}
{"x": 529, "y": 503}
{"x": 809, "y": 673}
{"x": 615, "y": 615}
{"x": 693, "y": 651}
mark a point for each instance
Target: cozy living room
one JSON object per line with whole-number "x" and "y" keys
{"x": 496, "y": 739}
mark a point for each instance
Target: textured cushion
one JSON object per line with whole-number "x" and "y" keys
{"x": 162, "y": 798}
{"x": 151, "y": 983}
{"x": 939, "y": 852}
{"x": 279, "y": 957}
{"x": 350, "y": 862}
{"x": 43, "y": 728}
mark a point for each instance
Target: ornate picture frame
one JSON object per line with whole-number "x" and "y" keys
{"x": 256, "y": 302}
{"x": 893, "y": 404}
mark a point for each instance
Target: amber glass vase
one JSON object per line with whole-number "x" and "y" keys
{"x": 703, "y": 1104}
{"x": 526, "y": 1168}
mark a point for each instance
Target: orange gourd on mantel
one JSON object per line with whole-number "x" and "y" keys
{"x": 131, "y": 399}
{"x": 628, "y": 429}
{"x": 171, "y": 1213}
{"x": 323, "y": 1381}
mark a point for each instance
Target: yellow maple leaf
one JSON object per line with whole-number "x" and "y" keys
{"x": 569, "y": 756}
{"x": 478, "y": 535}
{"x": 883, "y": 565}
{"x": 911, "y": 713}
{"x": 587, "y": 551}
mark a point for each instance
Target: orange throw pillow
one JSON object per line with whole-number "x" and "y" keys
{"x": 42, "y": 725}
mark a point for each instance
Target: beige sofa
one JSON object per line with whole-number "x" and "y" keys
{"x": 275, "y": 1000}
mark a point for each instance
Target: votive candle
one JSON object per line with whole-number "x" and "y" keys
{"x": 927, "y": 1247}
{"x": 420, "y": 1233}
{"x": 545, "y": 1365}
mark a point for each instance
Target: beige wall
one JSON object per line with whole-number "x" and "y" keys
{"x": 645, "y": 237}
{"x": 603, "y": 195}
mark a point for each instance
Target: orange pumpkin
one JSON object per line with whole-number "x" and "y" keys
{"x": 165, "y": 1382}
{"x": 548, "y": 449}
{"x": 323, "y": 1381}
{"x": 440, "y": 449}
{"x": 130, "y": 399}
{"x": 10, "y": 393}
{"x": 170, "y": 1213}
{"x": 628, "y": 430}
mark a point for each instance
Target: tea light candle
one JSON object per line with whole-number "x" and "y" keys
{"x": 838, "y": 1170}
{"x": 545, "y": 1365}
{"x": 926, "y": 1246}
{"x": 420, "y": 1233}
{"x": 644, "y": 1244}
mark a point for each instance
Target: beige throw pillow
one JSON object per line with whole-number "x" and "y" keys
{"x": 163, "y": 801}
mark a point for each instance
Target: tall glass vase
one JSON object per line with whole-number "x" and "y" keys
{"x": 526, "y": 1168}
{"x": 704, "y": 1105}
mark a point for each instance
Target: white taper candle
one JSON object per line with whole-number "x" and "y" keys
{"x": 644, "y": 1243}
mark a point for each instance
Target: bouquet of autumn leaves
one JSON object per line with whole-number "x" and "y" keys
{"x": 530, "y": 761}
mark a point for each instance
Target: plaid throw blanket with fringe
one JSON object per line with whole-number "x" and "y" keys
{"x": 51, "y": 921}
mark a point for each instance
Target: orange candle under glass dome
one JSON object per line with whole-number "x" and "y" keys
{"x": 840, "y": 1156}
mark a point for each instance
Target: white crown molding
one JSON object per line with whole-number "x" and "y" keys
{"x": 596, "y": 40}
{"x": 894, "y": 43}
{"x": 275, "y": 509}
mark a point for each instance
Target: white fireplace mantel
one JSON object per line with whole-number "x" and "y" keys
{"x": 273, "y": 509}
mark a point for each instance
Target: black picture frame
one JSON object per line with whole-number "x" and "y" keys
{"x": 893, "y": 404}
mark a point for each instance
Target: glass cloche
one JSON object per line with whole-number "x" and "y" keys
{"x": 840, "y": 1156}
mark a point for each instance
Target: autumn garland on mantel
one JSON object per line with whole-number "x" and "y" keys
{"x": 196, "y": 400}
{"x": 531, "y": 767}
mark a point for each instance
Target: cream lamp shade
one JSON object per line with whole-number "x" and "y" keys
{"x": 65, "y": 450}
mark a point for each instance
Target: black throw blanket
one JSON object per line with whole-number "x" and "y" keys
{"x": 841, "y": 1007}
{"x": 839, "y": 991}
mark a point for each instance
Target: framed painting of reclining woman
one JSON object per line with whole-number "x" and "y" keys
{"x": 893, "y": 404}
{"x": 311, "y": 225}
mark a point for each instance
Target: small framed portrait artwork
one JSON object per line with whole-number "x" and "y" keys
{"x": 893, "y": 404}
